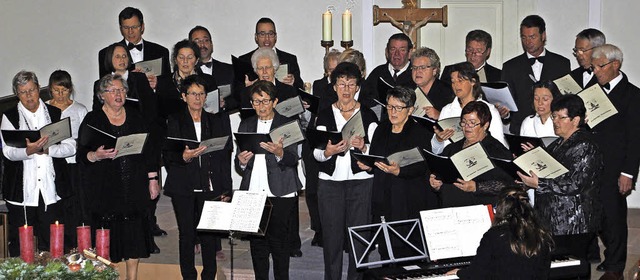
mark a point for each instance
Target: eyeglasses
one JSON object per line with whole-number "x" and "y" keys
{"x": 343, "y": 86}
{"x": 593, "y": 67}
{"x": 28, "y": 92}
{"x": 197, "y": 94}
{"x": 468, "y": 124}
{"x": 127, "y": 28}
{"x": 420, "y": 67}
{"x": 116, "y": 91}
{"x": 475, "y": 51}
{"x": 202, "y": 41}
{"x": 263, "y": 34}
{"x": 580, "y": 52}
{"x": 256, "y": 102}
{"x": 263, "y": 68}
{"x": 396, "y": 108}
{"x": 556, "y": 117}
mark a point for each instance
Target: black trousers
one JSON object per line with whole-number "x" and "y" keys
{"x": 614, "y": 227}
{"x": 36, "y": 217}
{"x": 294, "y": 229}
{"x": 275, "y": 242}
{"x": 311, "y": 172}
{"x": 188, "y": 210}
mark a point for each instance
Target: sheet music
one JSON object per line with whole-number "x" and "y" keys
{"x": 212, "y": 102}
{"x": 57, "y": 132}
{"x": 353, "y": 127}
{"x": 290, "y": 133}
{"x": 282, "y": 72}
{"x": 567, "y": 85}
{"x": 454, "y": 232}
{"x": 499, "y": 93}
{"x": 453, "y": 123}
{"x": 599, "y": 107}
{"x": 541, "y": 163}
{"x": 130, "y": 145}
{"x": 472, "y": 161}
{"x": 407, "y": 157}
{"x": 421, "y": 102}
{"x": 216, "y": 215}
{"x": 150, "y": 67}
{"x": 214, "y": 144}
{"x": 248, "y": 208}
{"x": 224, "y": 90}
{"x": 290, "y": 107}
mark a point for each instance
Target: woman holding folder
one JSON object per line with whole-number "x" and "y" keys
{"x": 274, "y": 173}
{"x": 483, "y": 189}
{"x": 119, "y": 190}
{"x": 193, "y": 177}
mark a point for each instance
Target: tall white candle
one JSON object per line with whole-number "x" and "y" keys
{"x": 346, "y": 26}
{"x": 326, "y": 26}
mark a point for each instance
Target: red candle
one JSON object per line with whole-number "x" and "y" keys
{"x": 56, "y": 240}
{"x": 102, "y": 243}
{"x": 26, "y": 243}
{"x": 84, "y": 237}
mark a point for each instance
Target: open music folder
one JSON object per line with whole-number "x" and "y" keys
{"x": 57, "y": 132}
{"x": 248, "y": 212}
{"x": 131, "y": 144}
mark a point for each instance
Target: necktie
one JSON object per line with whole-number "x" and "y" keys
{"x": 539, "y": 58}
{"x": 606, "y": 86}
{"x": 395, "y": 74}
{"x": 588, "y": 71}
{"x": 131, "y": 46}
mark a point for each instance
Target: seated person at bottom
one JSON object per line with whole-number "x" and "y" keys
{"x": 515, "y": 247}
{"x": 483, "y": 189}
{"x": 279, "y": 166}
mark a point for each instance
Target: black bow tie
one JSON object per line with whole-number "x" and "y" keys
{"x": 588, "y": 71}
{"x": 130, "y": 46}
{"x": 533, "y": 59}
{"x": 208, "y": 64}
{"x": 606, "y": 86}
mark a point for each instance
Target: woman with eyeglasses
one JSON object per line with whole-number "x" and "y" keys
{"x": 475, "y": 122}
{"x": 121, "y": 189}
{"x": 61, "y": 88}
{"x": 466, "y": 86}
{"x": 344, "y": 190}
{"x": 193, "y": 177}
{"x": 399, "y": 193}
{"x": 265, "y": 63}
{"x": 275, "y": 174}
{"x": 569, "y": 205}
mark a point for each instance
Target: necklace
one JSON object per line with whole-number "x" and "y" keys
{"x": 349, "y": 110}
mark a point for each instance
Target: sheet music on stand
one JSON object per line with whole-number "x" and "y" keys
{"x": 362, "y": 245}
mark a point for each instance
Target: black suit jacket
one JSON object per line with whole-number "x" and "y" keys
{"x": 283, "y": 174}
{"x": 285, "y": 58}
{"x": 150, "y": 51}
{"x": 223, "y": 73}
{"x": 576, "y": 74}
{"x": 493, "y": 74}
{"x": 382, "y": 71}
{"x": 618, "y": 135}
{"x": 516, "y": 72}
{"x": 169, "y": 96}
{"x": 440, "y": 94}
{"x": 183, "y": 177}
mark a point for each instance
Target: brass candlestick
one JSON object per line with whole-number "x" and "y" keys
{"x": 326, "y": 45}
{"x": 346, "y": 44}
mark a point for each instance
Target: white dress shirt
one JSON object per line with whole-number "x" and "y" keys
{"x": 76, "y": 112}
{"x": 136, "y": 55}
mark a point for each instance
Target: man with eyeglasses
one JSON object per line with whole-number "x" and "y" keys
{"x": 397, "y": 70}
{"x": 477, "y": 50}
{"x": 132, "y": 27}
{"x": 586, "y": 41}
{"x": 266, "y": 36}
{"x": 535, "y": 64}
{"x": 34, "y": 179}
{"x": 425, "y": 65}
{"x": 617, "y": 136}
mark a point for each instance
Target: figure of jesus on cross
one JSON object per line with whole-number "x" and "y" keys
{"x": 409, "y": 18}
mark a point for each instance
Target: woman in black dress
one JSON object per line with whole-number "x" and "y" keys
{"x": 193, "y": 177}
{"x": 119, "y": 190}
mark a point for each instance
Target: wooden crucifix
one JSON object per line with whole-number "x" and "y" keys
{"x": 410, "y": 18}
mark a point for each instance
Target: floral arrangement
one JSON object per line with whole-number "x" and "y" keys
{"x": 44, "y": 267}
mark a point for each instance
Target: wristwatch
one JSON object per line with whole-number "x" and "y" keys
{"x": 153, "y": 178}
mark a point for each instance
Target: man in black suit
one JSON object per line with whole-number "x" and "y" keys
{"x": 535, "y": 64}
{"x": 397, "y": 70}
{"x": 477, "y": 50}
{"x": 222, "y": 72}
{"x": 425, "y": 65}
{"x": 617, "y": 136}
{"x": 266, "y": 36}
{"x": 586, "y": 41}
{"x": 132, "y": 27}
